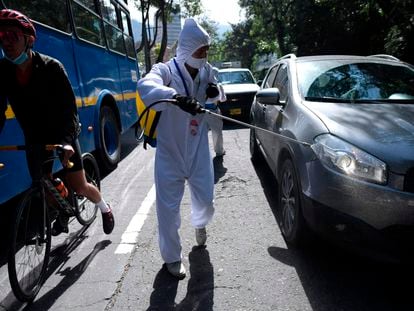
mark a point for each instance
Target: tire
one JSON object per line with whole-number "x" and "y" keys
{"x": 291, "y": 221}
{"x": 254, "y": 148}
{"x": 29, "y": 246}
{"x": 139, "y": 133}
{"x": 85, "y": 209}
{"x": 109, "y": 151}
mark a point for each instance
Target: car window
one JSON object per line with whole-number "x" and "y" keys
{"x": 281, "y": 81}
{"x": 356, "y": 81}
{"x": 270, "y": 77}
{"x": 235, "y": 77}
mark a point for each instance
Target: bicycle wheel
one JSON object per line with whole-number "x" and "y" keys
{"x": 85, "y": 209}
{"x": 29, "y": 246}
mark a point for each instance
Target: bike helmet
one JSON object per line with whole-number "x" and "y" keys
{"x": 14, "y": 18}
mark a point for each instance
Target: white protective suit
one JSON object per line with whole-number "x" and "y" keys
{"x": 182, "y": 152}
{"x": 215, "y": 123}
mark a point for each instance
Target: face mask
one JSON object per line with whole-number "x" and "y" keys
{"x": 19, "y": 59}
{"x": 196, "y": 63}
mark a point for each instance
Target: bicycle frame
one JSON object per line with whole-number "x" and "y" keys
{"x": 31, "y": 229}
{"x": 63, "y": 203}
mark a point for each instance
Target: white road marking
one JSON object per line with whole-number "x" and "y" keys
{"x": 129, "y": 237}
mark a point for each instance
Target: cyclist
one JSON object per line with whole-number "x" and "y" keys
{"x": 39, "y": 92}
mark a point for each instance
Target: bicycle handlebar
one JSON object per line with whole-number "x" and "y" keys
{"x": 48, "y": 147}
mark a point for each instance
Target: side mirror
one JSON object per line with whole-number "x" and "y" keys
{"x": 269, "y": 96}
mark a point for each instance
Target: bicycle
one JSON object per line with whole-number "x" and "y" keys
{"x": 30, "y": 234}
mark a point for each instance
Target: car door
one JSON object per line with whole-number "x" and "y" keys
{"x": 273, "y": 117}
{"x": 260, "y": 108}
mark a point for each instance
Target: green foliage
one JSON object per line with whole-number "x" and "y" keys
{"x": 239, "y": 44}
{"x": 191, "y": 8}
{"x": 307, "y": 27}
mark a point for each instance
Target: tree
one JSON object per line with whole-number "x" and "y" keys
{"x": 191, "y": 8}
{"x": 211, "y": 27}
{"x": 307, "y": 27}
{"x": 164, "y": 9}
{"x": 239, "y": 44}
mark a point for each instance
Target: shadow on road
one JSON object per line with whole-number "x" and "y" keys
{"x": 58, "y": 257}
{"x": 200, "y": 288}
{"x": 70, "y": 274}
{"x": 344, "y": 281}
{"x": 219, "y": 169}
{"x": 128, "y": 143}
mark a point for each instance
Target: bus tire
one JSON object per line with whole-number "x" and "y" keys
{"x": 109, "y": 151}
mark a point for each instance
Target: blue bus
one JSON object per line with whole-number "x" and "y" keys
{"x": 93, "y": 39}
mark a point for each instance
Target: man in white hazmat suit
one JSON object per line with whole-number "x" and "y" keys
{"x": 215, "y": 123}
{"x": 182, "y": 141}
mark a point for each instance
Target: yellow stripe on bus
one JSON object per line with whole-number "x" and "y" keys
{"x": 78, "y": 102}
{"x": 9, "y": 113}
{"x": 130, "y": 95}
{"x": 88, "y": 101}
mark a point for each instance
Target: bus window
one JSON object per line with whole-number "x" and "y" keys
{"x": 129, "y": 42}
{"x": 126, "y": 26}
{"x": 87, "y": 24}
{"x": 114, "y": 37}
{"x": 49, "y": 12}
{"x": 112, "y": 31}
{"x": 109, "y": 11}
{"x": 90, "y": 4}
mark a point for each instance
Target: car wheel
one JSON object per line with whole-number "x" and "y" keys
{"x": 291, "y": 220}
{"x": 254, "y": 148}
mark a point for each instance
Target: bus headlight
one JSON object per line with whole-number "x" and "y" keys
{"x": 347, "y": 159}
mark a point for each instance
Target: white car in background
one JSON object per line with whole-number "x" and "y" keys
{"x": 240, "y": 88}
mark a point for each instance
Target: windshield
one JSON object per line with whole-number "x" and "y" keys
{"x": 350, "y": 81}
{"x": 235, "y": 77}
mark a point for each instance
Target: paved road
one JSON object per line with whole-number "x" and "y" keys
{"x": 246, "y": 264}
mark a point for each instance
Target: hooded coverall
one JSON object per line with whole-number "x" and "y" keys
{"x": 215, "y": 123}
{"x": 182, "y": 152}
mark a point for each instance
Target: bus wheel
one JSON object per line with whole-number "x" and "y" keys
{"x": 109, "y": 151}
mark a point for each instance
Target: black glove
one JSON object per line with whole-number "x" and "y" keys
{"x": 188, "y": 104}
{"x": 212, "y": 91}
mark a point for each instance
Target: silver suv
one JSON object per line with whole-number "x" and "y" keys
{"x": 343, "y": 149}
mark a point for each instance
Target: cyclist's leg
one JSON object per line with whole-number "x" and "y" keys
{"x": 76, "y": 180}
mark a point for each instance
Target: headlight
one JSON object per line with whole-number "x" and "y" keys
{"x": 347, "y": 159}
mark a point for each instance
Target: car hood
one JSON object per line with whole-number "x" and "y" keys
{"x": 384, "y": 130}
{"x": 240, "y": 88}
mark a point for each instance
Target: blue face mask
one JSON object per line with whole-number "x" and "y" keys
{"x": 19, "y": 59}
